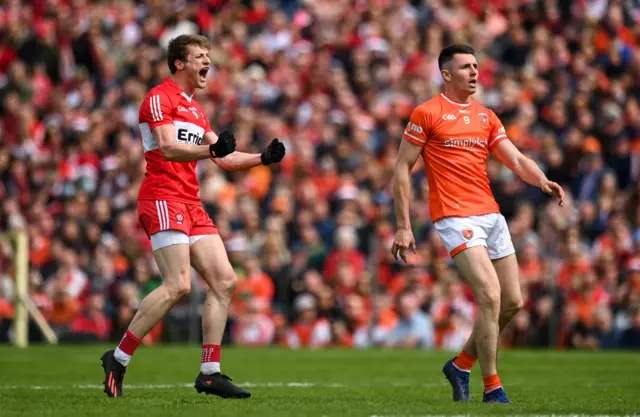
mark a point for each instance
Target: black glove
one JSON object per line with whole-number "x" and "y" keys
{"x": 274, "y": 153}
{"x": 225, "y": 145}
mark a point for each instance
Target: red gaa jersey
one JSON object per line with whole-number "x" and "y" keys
{"x": 165, "y": 180}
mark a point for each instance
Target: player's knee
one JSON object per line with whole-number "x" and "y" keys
{"x": 225, "y": 283}
{"x": 179, "y": 287}
{"x": 489, "y": 299}
{"x": 512, "y": 306}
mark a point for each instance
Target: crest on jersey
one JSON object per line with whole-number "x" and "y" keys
{"x": 179, "y": 218}
{"x": 467, "y": 234}
{"x": 483, "y": 118}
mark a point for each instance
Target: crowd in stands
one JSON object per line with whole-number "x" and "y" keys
{"x": 336, "y": 81}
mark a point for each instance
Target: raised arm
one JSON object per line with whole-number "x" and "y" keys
{"x": 174, "y": 151}
{"x": 156, "y": 114}
{"x": 242, "y": 160}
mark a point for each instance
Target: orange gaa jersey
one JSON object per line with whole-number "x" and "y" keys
{"x": 456, "y": 139}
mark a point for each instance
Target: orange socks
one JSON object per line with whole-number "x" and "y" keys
{"x": 464, "y": 361}
{"x": 491, "y": 382}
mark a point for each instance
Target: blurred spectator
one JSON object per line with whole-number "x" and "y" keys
{"x": 414, "y": 328}
{"x": 255, "y": 327}
{"x": 308, "y": 330}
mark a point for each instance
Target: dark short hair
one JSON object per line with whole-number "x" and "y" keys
{"x": 178, "y": 48}
{"x": 446, "y": 55}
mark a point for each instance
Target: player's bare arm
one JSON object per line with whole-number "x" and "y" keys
{"x": 407, "y": 157}
{"x": 507, "y": 153}
{"x": 243, "y": 160}
{"x": 174, "y": 151}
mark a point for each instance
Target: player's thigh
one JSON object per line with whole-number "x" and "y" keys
{"x": 509, "y": 277}
{"x": 499, "y": 241}
{"x": 171, "y": 252}
{"x": 458, "y": 234}
{"x": 209, "y": 258}
{"x": 477, "y": 270}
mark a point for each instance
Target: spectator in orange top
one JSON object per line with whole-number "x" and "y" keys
{"x": 576, "y": 261}
{"x": 65, "y": 307}
{"x": 530, "y": 264}
{"x": 253, "y": 284}
{"x": 592, "y": 297}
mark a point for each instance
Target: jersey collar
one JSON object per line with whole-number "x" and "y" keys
{"x": 452, "y": 101}
{"x": 175, "y": 89}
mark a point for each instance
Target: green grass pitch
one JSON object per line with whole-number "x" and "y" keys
{"x": 66, "y": 381}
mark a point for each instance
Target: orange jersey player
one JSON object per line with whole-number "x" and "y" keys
{"x": 455, "y": 135}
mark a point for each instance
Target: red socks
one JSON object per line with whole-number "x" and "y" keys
{"x": 210, "y": 359}
{"x": 126, "y": 348}
{"x": 464, "y": 361}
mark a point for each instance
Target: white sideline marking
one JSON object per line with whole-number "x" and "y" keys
{"x": 514, "y": 415}
{"x": 190, "y": 385}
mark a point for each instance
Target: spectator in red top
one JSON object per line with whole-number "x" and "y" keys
{"x": 345, "y": 251}
{"x": 92, "y": 324}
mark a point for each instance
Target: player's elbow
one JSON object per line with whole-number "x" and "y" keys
{"x": 402, "y": 169}
{"x": 168, "y": 152}
{"x": 517, "y": 162}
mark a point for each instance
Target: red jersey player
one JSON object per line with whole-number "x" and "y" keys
{"x": 176, "y": 134}
{"x": 455, "y": 135}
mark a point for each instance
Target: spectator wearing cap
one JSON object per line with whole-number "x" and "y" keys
{"x": 308, "y": 330}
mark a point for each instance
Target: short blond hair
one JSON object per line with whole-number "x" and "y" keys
{"x": 178, "y": 48}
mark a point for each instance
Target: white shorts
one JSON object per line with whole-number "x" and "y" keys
{"x": 489, "y": 230}
{"x": 172, "y": 237}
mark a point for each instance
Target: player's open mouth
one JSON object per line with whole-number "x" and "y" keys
{"x": 473, "y": 83}
{"x": 203, "y": 72}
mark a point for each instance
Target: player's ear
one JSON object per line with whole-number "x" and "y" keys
{"x": 446, "y": 75}
{"x": 179, "y": 64}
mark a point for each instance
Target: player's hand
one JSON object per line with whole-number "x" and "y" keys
{"x": 552, "y": 188}
{"x": 404, "y": 239}
{"x": 225, "y": 145}
{"x": 274, "y": 152}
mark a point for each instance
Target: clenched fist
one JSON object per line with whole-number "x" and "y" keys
{"x": 225, "y": 145}
{"x": 274, "y": 152}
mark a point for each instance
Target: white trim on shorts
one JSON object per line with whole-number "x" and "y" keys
{"x": 172, "y": 237}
